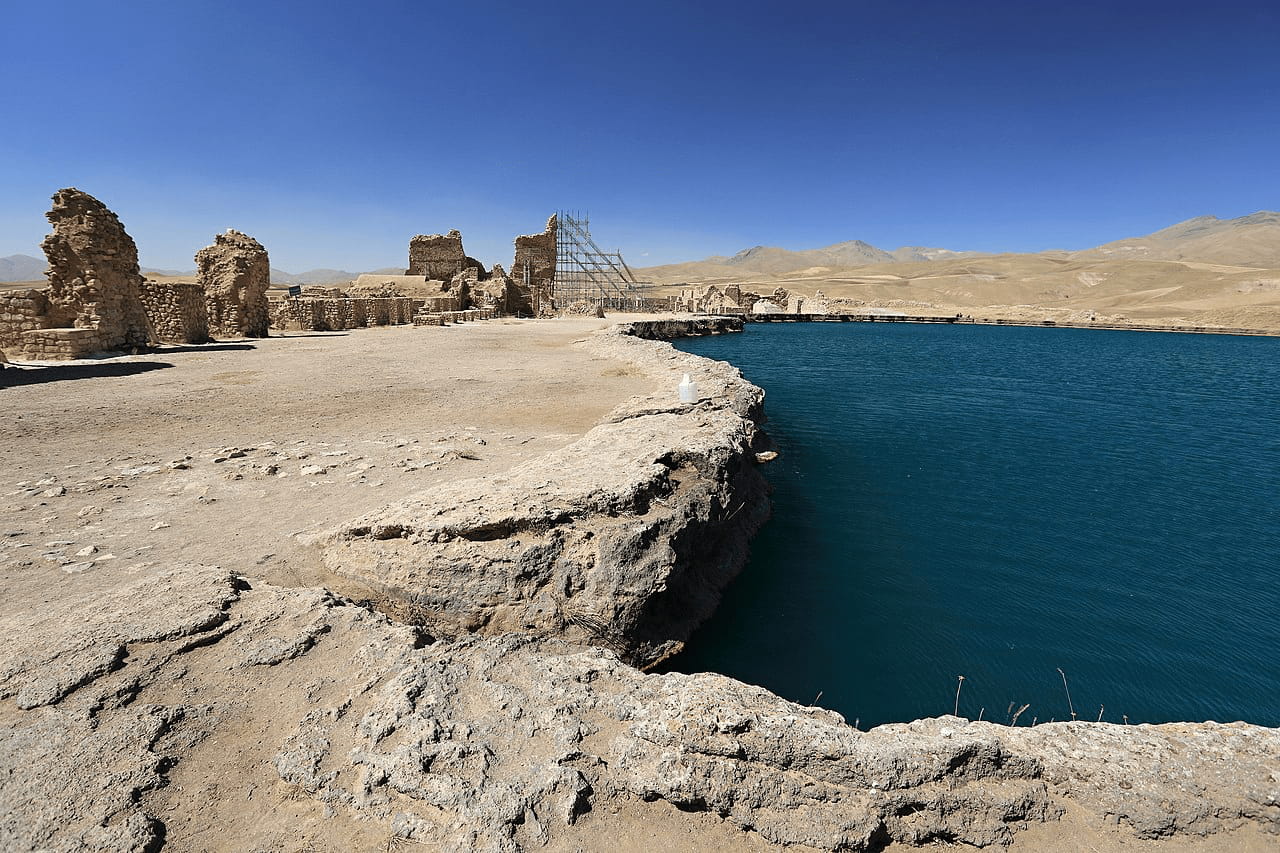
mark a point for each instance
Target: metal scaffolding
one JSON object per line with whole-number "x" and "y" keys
{"x": 586, "y": 273}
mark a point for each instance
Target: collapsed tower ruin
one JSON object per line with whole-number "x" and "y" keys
{"x": 436, "y": 256}
{"x": 94, "y": 301}
{"x": 498, "y": 292}
{"x": 441, "y": 257}
{"x": 235, "y": 273}
{"x": 94, "y": 279}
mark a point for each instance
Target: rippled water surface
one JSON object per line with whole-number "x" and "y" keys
{"x": 1000, "y": 503}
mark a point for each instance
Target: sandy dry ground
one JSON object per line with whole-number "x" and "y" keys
{"x": 239, "y": 453}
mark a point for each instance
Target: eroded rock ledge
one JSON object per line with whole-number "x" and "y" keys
{"x": 192, "y": 708}
{"x": 626, "y": 537}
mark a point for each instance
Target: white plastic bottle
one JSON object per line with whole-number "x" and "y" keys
{"x": 688, "y": 390}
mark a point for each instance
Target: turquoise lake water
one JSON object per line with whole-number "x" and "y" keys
{"x": 1000, "y": 503}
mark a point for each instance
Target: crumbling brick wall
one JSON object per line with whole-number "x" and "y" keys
{"x": 497, "y": 292}
{"x": 21, "y": 312}
{"x": 335, "y": 315}
{"x": 94, "y": 281}
{"x": 438, "y": 256}
{"x": 235, "y": 273}
{"x": 177, "y": 311}
{"x": 536, "y": 253}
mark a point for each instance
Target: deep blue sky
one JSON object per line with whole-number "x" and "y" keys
{"x": 335, "y": 131}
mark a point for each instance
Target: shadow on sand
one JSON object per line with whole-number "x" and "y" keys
{"x": 165, "y": 349}
{"x": 12, "y": 376}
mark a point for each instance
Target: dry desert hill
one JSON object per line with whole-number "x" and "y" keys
{"x": 1203, "y": 272}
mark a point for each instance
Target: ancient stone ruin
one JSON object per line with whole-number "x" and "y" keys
{"x": 437, "y": 256}
{"x": 177, "y": 311}
{"x": 535, "y": 261}
{"x": 497, "y": 292}
{"x": 94, "y": 300}
{"x": 235, "y": 273}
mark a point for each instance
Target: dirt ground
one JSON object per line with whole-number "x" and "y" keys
{"x": 239, "y": 453}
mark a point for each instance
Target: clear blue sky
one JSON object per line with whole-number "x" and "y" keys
{"x": 335, "y": 131}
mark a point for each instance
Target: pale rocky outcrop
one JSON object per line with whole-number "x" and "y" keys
{"x": 235, "y": 273}
{"x": 502, "y": 743}
{"x": 627, "y": 535}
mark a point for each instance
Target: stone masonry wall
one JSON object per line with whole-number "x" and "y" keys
{"x": 537, "y": 253}
{"x": 177, "y": 311}
{"x": 437, "y": 256}
{"x": 335, "y": 315}
{"x": 25, "y": 329}
{"x": 94, "y": 281}
{"x": 21, "y": 311}
{"x": 235, "y": 273}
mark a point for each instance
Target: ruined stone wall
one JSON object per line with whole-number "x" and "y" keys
{"x": 94, "y": 281}
{"x": 438, "y": 256}
{"x": 21, "y": 311}
{"x": 497, "y": 292}
{"x": 336, "y": 315}
{"x": 177, "y": 311}
{"x": 26, "y": 333}
{"x": 537, "y": 254}
{"x": 235, "y": 273}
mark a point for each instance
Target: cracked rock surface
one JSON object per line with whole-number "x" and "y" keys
{"x": 625, "y": 537}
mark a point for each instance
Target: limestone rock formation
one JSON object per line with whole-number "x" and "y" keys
{"x": 235, "y": 273}
{"x": 568, "y": 730}
{"x": 626, "y": 536}
{"x": 437, "y": 256}
{"x": 264, "y": 699}
{"x": 94, "y": 281}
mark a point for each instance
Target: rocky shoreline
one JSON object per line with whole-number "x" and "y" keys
{"x": 624, "y": 538}
{"x": 198, "y": 708}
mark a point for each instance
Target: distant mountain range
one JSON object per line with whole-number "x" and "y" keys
{"x": 1246, "y": 241}
{"x": 1249, "y": 241}
{"x": 21, "y": 268}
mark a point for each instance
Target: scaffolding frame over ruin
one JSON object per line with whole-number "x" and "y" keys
{"x": 587, "y": 273}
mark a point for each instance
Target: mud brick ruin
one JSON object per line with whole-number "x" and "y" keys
{"x": 235, "y": 273}
{"x": 94, "y": 299}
